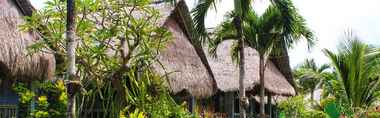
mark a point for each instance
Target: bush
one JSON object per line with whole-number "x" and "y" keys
{"x": 315, "y": 114}
{"x": 294, "y": 107}
{"x": 48, "y": 98}
{"x": 373, "y": 115}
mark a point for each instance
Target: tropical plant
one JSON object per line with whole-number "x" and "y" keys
{"x": 310, "y": 77}
{"x": 294, "y": 107}
{"x": 268, "y": 34}
{"x": 356, "y": 65}
{"x": 373, "y": 115}
{"x": 240, "y": 8}
{"x": 49, "y": 99}
{"x": 113, "y": 57}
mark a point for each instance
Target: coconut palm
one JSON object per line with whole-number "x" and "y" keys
{"x": 240, "y": 8}
{"x": 356, "y": 65}
{"x": 310, "y": 76}
{"x": 269, "y": 34}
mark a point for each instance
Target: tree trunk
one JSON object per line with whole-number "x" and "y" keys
{"x": 71, "y": 45}
{"x": 262, "y": 87}
{"x": 312, "y": 95}
{"x": 243, "y": 100}
{"x": 241, "y": 80}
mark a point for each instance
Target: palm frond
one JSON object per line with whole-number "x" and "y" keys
{"x": 293, "y": 24}
{"x": 324, "y": 67}
{"x": 199, "y": 15}
{"x": 235, "y": 55}
{"x": 356, "y": 65}
{"x": 225, "y": 31}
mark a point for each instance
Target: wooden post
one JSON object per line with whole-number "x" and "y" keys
{"x": 192, "y": 105}
{"x": 229, "y": 103}
{"x": 269, "y": 98}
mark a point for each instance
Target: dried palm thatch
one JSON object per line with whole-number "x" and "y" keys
{"x": 185, "y": 70}
{"x": 15, "y": 62}
{"x": 226, "y": 72}
{"x": 282, "y": 63}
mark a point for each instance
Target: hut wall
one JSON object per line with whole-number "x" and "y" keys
{"x": 7, "y": 96}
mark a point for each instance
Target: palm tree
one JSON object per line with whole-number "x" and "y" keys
{"x": 70, "y": 34}
{"x": 310, "y": 76}
{"x": 240, "y": 8}
{"x": 356, "y": 65}
{"x": 269, "y": 34}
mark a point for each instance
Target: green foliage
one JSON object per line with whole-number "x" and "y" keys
{"x": 137, "y": 114}
{"x": 118, "y": 41}
{"x": 152, "y": 93}
{"x": 356, "y": 65}
{"x": 310, "y": 77}
{"x": 315, "y": 114}
{"x": 294, "y": 107}
{"x": 26, "y": 95}
{"x": 373, "y": 115}
{"x": 48, "y": 98}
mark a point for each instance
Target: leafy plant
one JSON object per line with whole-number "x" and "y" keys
{"x": 373, "y": 115}
{"x": 310, "y": 77}
{"x": 118, "y": 41}
{"x": 356, "y": 65}
{"x": 48, "y": 98}
{"x": 294, "y": 107}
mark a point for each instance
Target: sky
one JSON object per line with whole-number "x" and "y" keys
{"x": 328, "y": 19}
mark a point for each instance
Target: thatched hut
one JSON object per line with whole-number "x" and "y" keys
{"x": 15, "y": 62}
{"x": 199, "y": 75}
{"x": 226, "y": 74}
{"x": 186, "y": 71}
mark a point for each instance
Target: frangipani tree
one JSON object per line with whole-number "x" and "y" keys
{"x": 117, "y": 42}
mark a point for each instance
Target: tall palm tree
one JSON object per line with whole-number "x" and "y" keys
{"x": 310, "y": 76}
{"x": 269, "y": 34}
{"x": 71, "y": 45}
{"x": 240, "y": 8}
{"x": 356, "y": 65}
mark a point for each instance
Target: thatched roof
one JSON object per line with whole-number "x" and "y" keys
{"x": 282, "y": 63}
{"x": 185, "y": 69}
{"x": 226, "y": 72}
{"x": 14, "y": 60}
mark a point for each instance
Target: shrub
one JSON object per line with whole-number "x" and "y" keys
{"x": 315, "y": 114}
{"x": 294, "y": 107}
{"x": 373, "y": 115}
{"x": 48, "y": 98}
